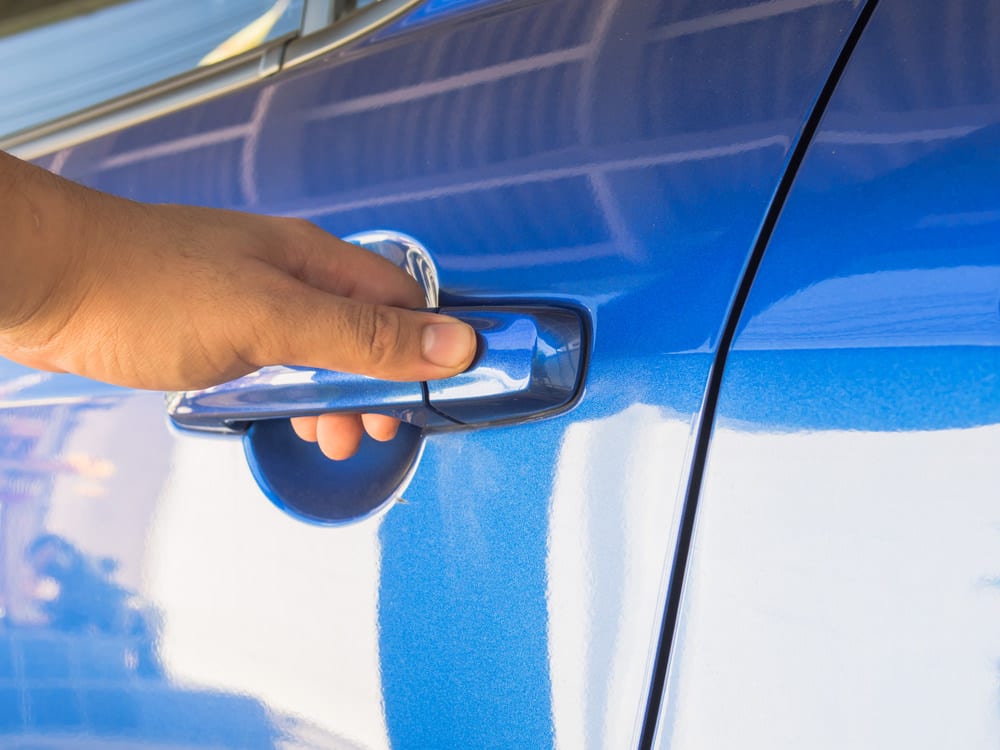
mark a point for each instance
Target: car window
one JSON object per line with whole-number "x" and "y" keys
{"x": 62, "y": 56}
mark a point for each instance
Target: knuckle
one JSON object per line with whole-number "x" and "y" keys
{"x": 305, "y": 229}
{"x": 379, "y": 333}
{"x": 259, "y": 330}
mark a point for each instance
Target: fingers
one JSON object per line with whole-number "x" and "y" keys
{"x": 305, "y": 428}
{"x": 340, "y": 437}
{"x": 348, "y": 315}
{"x": 380, "y": 427}
{"x": 295, "y": 324}
{"x": 328, "y": 263}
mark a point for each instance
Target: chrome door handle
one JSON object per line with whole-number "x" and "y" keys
{"x": 528, "y": 365}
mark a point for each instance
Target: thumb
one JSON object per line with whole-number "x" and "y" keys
{"x": 312, "y": 328}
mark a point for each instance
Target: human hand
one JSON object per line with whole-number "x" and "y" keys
{"x": 179, "y": 298}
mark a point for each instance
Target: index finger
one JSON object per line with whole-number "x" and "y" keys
{"x": 332, "y": 265}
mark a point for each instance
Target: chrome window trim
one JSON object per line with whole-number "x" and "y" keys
{"x": 316, "y": 15}
{"x": 361, "y": 22}
{"x": 198, "y": 85}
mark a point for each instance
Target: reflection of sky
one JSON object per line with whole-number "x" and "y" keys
{"x": 21, "y": 386}
{"x": 275, "y": 608}
{"x": 611, "y": 482}
{"x": 59, "y": 69}
{"x": 839, "y": 594}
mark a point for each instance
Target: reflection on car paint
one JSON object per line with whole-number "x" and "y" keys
{"x": 78, "y": 648}
{"x": 841, "y": 588}
{"x": 608, "y": 481}
{"x": 617, "y": 157}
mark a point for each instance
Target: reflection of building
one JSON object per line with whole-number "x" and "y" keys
{"x": 78, "y": 655}
{"x": 31, "y": 443}
{"x": 53, "y": 682}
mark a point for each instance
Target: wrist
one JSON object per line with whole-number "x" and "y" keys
{"x": 47, "y": 240}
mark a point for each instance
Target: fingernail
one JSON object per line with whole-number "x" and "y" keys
{"x": 448, "y": 344}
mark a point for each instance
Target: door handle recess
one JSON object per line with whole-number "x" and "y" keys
{"x": 528, "y": 365}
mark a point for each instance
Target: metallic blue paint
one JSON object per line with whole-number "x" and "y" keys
{"x": 617, "y": 158}
{"x": 842, "y": 579}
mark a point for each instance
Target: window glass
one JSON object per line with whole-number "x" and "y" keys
{"x": 61, "y": 56}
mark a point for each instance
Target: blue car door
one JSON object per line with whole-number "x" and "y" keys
{"x": 613, "y": 158}
{"x": 844, "y": 555}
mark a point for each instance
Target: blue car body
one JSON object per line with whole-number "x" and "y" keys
{"x": 769, "y": 519}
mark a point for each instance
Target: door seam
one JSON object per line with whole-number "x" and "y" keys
{"x": 713, "y": 386}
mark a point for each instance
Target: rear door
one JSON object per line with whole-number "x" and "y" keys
{"x": 844, "y": 557}
{"x": 618, "y": 158}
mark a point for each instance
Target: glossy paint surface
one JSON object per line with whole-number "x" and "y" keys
{"x": 615, "y": 157}
{"x": 842, "y": 585}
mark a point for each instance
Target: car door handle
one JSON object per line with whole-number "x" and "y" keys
{"x": 528, "y": 365}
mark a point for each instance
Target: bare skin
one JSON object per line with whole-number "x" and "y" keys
{"x": 169, "y": 297}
